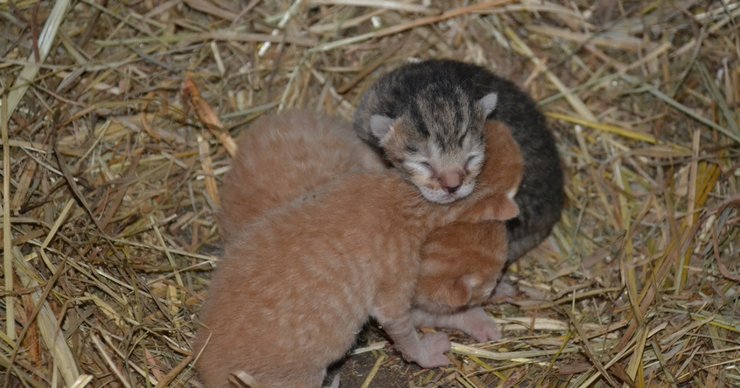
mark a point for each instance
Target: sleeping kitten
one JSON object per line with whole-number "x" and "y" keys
{"x": 429, "y": 127}
{"x": 460, "y": 269}
{"x": 282, "y": 158}
{"x": 296, "y": 286}
{"x": 425, "y": 118}
{"x": 462, "y": 262}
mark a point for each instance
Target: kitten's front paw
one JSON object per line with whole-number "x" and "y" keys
{"x": 478, "y": 324}
{"x": 434, "y": 346}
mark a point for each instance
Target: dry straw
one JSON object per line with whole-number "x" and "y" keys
{"x": 118, "y": 120}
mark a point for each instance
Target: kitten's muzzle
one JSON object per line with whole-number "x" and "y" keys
{"x": 450, "y": 181}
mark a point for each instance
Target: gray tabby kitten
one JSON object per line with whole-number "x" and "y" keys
{"x": 427, "y": 120}
{"x": 429, "y": 127}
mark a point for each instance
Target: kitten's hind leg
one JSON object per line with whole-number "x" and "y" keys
{"x": 474, "y": 322}
{"x": 428, "y": 351}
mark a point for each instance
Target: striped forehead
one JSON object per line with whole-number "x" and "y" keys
{"x": 446, "y": 157}
{"x": 445, "y": 120}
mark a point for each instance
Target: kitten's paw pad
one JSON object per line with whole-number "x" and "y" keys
{"x": 434, "y": 346}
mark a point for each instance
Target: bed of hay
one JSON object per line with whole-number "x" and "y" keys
{"x": 116, "y": 126}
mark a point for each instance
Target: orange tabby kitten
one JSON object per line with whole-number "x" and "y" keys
{"x": 296, "y": 286}
{"x": 462, "y": 262}
{"x": 460, "y": 268}
{"x": 284, "y": 157}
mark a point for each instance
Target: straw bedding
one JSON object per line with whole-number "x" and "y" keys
{"x": 117, "y": 122}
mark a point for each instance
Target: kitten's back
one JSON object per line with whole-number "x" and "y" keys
{"x": 285, "y": 157}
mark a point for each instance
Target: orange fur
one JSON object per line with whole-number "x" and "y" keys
{"x": 299, "y": 278}
{"x": 461, "y": 264}
{"x": 295, "y": 287}
{"x": 502, "y": 170}
{"x": 282, "y": 158}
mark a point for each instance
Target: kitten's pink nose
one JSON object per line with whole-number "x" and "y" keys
{"x": 450, "y": 181}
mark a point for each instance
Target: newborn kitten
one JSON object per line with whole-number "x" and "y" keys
{"x": 297, "y": 285}
{"x": 460, "y": 268}
{"x": 429, "y": 126}
{"x": 462, "y": 262}
{"x": 282, "y": 158}
{"x": 429, "y": 109}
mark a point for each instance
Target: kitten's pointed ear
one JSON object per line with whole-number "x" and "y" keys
{"x": 488, "y": 103}
{"x": 381, "y": 127}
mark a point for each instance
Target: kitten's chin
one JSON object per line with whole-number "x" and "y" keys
{"x": 442, "y": 200}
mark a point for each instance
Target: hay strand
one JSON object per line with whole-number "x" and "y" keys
{"x": 7, "y": 231}
{"x": 33, "y": 63}
{"x": 51, "y": 332}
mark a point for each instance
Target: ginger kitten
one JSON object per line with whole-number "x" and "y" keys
{"x": 463, "y": 262}
{"x": 284, "y": 157}
{"x": 296, "y": 286}
{"x": 460, "y": 269}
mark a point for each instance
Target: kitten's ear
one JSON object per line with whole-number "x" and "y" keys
{"x": 488, "y": 103}
{"x": 381, "y": 127}
{"x": 462, "y": 291}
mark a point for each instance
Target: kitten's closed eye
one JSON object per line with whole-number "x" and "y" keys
{"x": 420, "y": 167}
{"x": 474, "y": 162}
